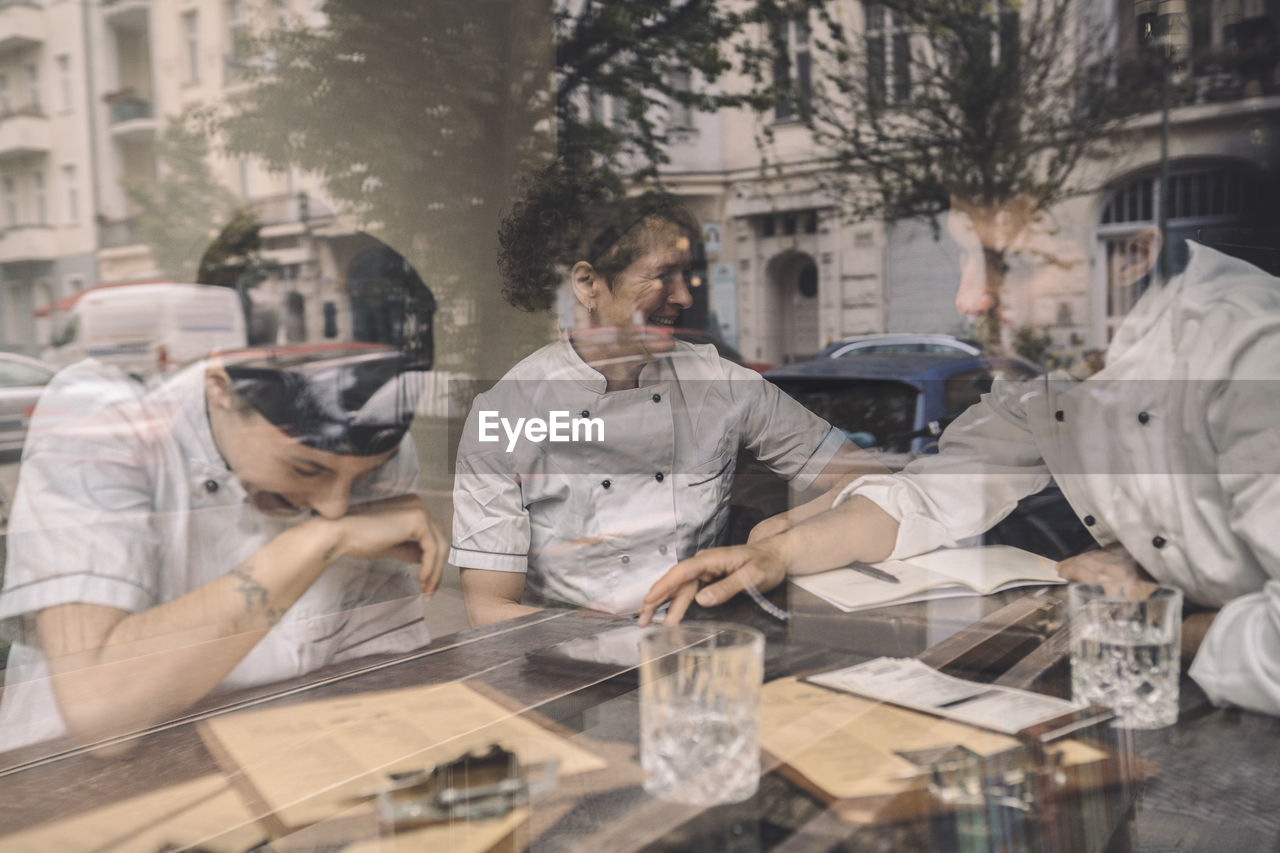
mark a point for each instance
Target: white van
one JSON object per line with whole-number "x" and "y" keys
{"x": 147, "y": 329}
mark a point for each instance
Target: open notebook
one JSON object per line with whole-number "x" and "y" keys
{"x": 948, "y": 573}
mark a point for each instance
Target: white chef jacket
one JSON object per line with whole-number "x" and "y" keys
{"x": 1173, "y": 450}
{"x": 123, "y": 500}
{"x": 595, "y": 524}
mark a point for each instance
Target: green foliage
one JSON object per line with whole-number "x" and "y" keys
{"x": 420, "y": 116}
{"x": 416, "y": 117}
{"x": 234, "y": 258}
{"x": 181, "y": 212}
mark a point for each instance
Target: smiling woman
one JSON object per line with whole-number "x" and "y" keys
{"x": 594, "y": 523}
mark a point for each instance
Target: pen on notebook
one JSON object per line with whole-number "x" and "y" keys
{"x": 873, "y": 572}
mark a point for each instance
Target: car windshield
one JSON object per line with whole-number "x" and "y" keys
{"x": 873, "y": 413}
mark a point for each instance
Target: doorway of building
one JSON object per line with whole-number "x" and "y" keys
{"x": 791, "y": 316}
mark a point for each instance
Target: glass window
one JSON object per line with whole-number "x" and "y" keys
{"x": 888, "y": 50}
{"x": 792, "y": 69}
{"x": 72, "y": 190}
{"x": 33, "y": 86}
{"x": 63, "y": 62}
{"x": 10, "y": 190}
{"x": 681, "y": 115}
{"x": 191, "y": 32}
{"x": 39, "y": 200}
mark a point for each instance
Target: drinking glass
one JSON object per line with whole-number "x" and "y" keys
{"x": 1125, "y": 639}
{"x": 700, "y": 712}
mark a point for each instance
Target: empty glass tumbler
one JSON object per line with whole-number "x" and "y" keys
{"x": 700, "y": 712}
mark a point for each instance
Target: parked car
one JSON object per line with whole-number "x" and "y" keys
{"x": 22, "y": 381}
{"x": 896, "y": 405}
{"x": 899, "y": 342}
{"x": 148, "y": 329}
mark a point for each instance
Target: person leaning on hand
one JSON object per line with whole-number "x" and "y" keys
{"x": 1170, "y": 456}
{"x": 249, "y": 519}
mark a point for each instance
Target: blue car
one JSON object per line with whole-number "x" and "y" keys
{"x": 898, "y": 403}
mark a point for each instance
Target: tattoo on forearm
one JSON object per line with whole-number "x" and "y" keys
{"x": 256, "y": 597}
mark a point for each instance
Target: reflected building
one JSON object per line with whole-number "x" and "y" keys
{"x": 86, "y": 92}
{"x": 802, "y": 276}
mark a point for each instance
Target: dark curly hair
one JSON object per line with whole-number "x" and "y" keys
{"x": 562, "y": 217}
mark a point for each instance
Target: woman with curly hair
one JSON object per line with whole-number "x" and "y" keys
{"x": 592, "y": 517}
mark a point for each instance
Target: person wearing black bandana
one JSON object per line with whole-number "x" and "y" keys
{"x": 249, "y": 519}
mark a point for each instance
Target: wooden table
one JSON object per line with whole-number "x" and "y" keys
{"x": 1216, "y": 789}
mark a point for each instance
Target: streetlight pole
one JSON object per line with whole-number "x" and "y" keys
{"x": 1162, "y": 27}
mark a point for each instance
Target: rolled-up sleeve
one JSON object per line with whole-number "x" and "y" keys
{"x": 988, "y": 460}
{"x": 783, "y": 435}
{"x": 490, "y": 523}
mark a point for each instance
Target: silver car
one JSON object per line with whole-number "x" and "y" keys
{"x": 22, "y": 381}
{"x": 894, "y": 343}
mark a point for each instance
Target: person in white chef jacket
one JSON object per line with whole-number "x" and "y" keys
{"x": 593, "y": 522}
{"x": 248, "y": 519}
{"x": 1170, "y": 456}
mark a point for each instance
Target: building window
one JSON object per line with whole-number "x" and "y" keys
{"x": 681, "y": 114}
{"x": 33, "y": 86}
{"x": 888, "y": 57}
{"x": 191, "y": 34}
{"x": 237, "y": 41}
{"x": 791, "y": 69}
{"x": 606, "y": 110}
{"x": 63, "y": 63}
{"x": 1199, "y": 197}
{"x": 72, "y": 190}
{"x": 9, "y": 187}
{"x": 39, "y": 200}
{"x": 6, "y": 105}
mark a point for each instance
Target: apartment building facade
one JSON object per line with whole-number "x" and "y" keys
{"x": 791, "y": 274}
{"x": 86, "y": 91}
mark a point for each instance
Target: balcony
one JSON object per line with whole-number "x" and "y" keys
{"x": 132, "y": 116}
{"x": 24, "y": 132}
{"x": 126, "y": 14}
{"x": 1216, "y": 75}
{"x": 22, "y": 25}
{"x": 27, "y": 243}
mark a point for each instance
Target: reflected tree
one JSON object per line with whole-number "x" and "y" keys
{"x": 924, "y": 105}
{"x": 419, "y": 117}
